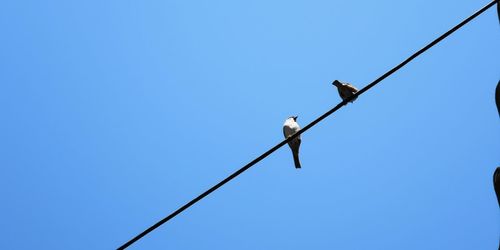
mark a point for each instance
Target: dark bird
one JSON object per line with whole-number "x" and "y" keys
{"x": 345, "y": 89}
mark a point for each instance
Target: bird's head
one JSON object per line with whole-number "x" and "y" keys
{"x": 336, "y": 83}
{"x": 293, "y": 117}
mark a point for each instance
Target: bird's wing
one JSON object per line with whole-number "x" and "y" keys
{"x": 351, "y": 88}
{"x": 341, "y": 94}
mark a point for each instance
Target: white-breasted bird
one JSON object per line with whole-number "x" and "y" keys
{"x": 345, "y": 89}
{"x": 289, "y": 128}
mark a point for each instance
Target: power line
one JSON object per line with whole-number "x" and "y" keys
{"x": 498, "y": 11}
{"x": 307, "y": 127}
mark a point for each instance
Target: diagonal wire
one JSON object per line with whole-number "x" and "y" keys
{"x": 307, "y": 127}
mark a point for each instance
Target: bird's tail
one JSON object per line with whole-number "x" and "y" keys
{"x": 296, "y": 159}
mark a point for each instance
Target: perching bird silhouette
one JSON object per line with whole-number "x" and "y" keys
{"x": 289, "y": 128}
{"x": 345, "y": 89}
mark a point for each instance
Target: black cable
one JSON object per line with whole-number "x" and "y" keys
{"x": 307, "y": 127}
{"x": 498, "y": 11}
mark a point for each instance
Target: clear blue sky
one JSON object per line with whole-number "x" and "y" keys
{"x": 116, "y": 113}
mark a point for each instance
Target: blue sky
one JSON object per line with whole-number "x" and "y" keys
{"x": 116, "y": 113}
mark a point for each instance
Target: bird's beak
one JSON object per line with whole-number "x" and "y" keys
{"x": 295, "y": 117}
